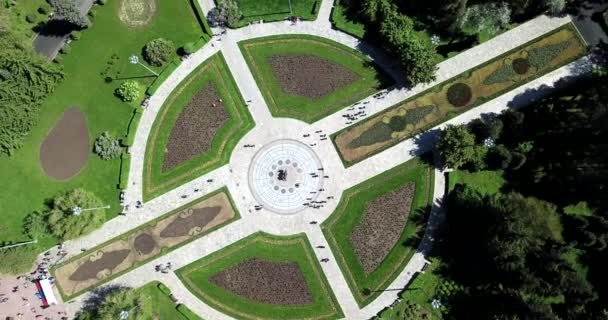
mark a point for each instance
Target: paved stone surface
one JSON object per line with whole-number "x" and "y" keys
{"x": 335, "y": 177}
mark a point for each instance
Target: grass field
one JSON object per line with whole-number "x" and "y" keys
{"x": 339, "y": 227}
{"x": 163, "y": 306}
{"x": 459, "y": 94}
{"x": 272, "y": 248}
{"x": 17, "y": 15}
{"x": 420, "y": 292}
{"x": 215, "y": 71}
{"x": 486, "y": 182}
{"x": 257, "y": 51}
{"x": 85, "y": 87}
{"x": 341, "y": 20}
{"x": 275, "y": 10}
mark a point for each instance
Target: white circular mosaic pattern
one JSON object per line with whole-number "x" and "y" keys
{"x": 285, "y": 176}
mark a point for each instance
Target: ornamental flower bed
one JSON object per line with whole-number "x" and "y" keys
{"x": 459, "y": 94}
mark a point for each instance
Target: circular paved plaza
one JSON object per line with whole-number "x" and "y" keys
{"x": 285, "y": 176}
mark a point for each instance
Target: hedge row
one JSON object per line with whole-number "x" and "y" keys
{"x": 125, "y": 166}
{"x": 163, "y": 76}
{"x": 201, "y": 17}
{"x": 132, "y": 128}
{"x": 187, "y": 313}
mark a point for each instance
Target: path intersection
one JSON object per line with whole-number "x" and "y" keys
{"x": 277, "y": 139}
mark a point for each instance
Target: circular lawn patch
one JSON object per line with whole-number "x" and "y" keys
{"x": 459, "y": 94}
{"x": 136, "y": 13}
{"x": 65, "y": 149}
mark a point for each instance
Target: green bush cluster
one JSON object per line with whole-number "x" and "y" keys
{"x": 31, "y": 18}
{"x": 26, "y": 79}
{"x": 115, "y": 302}
{"x": 62, "y": 221}
{"x": 158, "y": 51}
{"x": 18, "y": 259}
{"x": 128, "y": 91}
{"x": 106, "y": 147}
{"x": 111, "y": 70}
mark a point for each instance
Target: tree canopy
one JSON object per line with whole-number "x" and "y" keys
{"x": 62, "y": 221}
{"x": 26, "y": 79}
{"x": 113, "y": 304}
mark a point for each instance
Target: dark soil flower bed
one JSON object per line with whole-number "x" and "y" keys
{"x": 107, "y": 261}
{"x": 277, "y": 283}
{"x": 381, "y": 227}
{"x": 309, "y": 76}
{"x": 195, "y": 127}
{"x": 144, "y": 243}
{"x": 459, "y": 94}
{"x": 521, "y": 65}
{"x": 191, "y": 220}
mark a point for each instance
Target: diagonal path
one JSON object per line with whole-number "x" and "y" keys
{"x": 233, "y": 175}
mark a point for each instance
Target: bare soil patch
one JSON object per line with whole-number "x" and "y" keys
{"x": 195, "y": 127}
{"x": 196, "y": 218}
{"x": 91, "y": 268}
{"x": 65, "y": 149}
{"x": 136, "y": 13}
{"x": 277, "y": 283}
{"x": 381, "y": 227}
{"x": 310, "y": 76}
{"x": 144, "y": 243}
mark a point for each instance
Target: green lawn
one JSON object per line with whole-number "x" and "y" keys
{"x": 420, "y": 292}
{"x": 486, "y": 182}
{"x": 339, "y": 227}
{"x": 27, "y": 185}
{"x": 258, "y": 51}
{"x": 19, "y": 11}
{"x": 342, "y": 20}
{"x": 272, "y": 248}
{"x": 158, "y": 295}
{"x": 214, "y": 71}
{"x": 275, "y": 10}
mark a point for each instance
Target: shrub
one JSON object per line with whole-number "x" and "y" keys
{"x": 227, "y": 12}
{"x": 555, "y": 7}
{"x": 128, "y": 91}
{"x": 65, "y": 49}
{"x": 44, "y": 9}
{"x": 92, "y": 13}
{"x": 158, "y": 51}
{"x": 459, "y": 94}
{"x": 69, "y": 11}
{"x": 486, "y": 16}
{"x": 31, "y": 18}
{"x": 62, "y": 221}
{"x": 189, "y": 48}
{"x": 107, "y": 147}
{"x": 76, "y": 35}
{"x": 101, "y": 2}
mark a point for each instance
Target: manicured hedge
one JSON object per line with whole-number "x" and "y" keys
{"x": 186, "y": 312}
{"x": 130, "y": 136}
{"x": 201, "y": 17}
{"x": 163, "y": 288}
{"x": 163, "y": 76}
{"x": 125, "y": 166}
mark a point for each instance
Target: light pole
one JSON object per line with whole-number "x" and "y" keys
{"x": 135, "y": 60}
{"x": 78, "y": 210}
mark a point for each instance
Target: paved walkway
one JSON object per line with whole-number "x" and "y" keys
{"x": 268, "y": 129}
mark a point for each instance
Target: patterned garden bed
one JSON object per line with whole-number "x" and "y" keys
{"x": 196, "y": 129}
{"x": 307, "y": 77}
{"x": 460, "y": 94}
{"x": 377, "y": 226}
{"x": 263, "y": 277}
{"x": 127, "y": 251}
